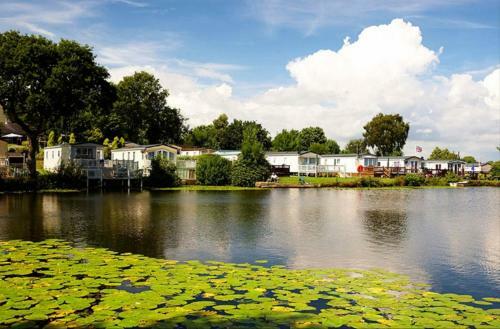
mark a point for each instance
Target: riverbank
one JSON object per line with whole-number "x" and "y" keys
{"x": 54, "y": 284}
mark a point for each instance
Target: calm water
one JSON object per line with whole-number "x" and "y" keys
{"x": 447, "y": 237}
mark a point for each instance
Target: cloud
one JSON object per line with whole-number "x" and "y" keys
{"x": 308, "y": 16}
{"x": 386, "y": 69}
{"x": 43, "y": 16}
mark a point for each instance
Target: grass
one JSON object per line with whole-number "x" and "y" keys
{"x": 334, "y": 180}
{"x": 205, "y": 188}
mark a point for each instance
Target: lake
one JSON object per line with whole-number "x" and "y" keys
{"x": 449, "y": 238}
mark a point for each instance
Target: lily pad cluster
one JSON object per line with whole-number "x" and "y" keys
{"x": 53, "y": 284}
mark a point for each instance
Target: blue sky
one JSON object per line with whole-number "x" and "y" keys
{"x": 237, "y": 53}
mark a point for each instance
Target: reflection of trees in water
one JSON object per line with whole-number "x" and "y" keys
{"x": 385, "y": 226}
{"x": 21, "y": 217}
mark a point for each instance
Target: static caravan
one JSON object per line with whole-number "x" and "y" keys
{"x": 412, "y": 164}
{"x": 86, "y": 155}
{"x": 348, "y": 164}
{"x": 231, "y": 155}
{"x": 303, "y": 162}
{"x": 143, "y": 154}
{"x": 194, "y": 151}
{"x": 438, "y": 167}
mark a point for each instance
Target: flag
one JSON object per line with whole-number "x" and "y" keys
{"x": 418, "y": 149}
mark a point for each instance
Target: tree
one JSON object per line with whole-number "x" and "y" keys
{"x": 163, "y": 173}
{"x": 213, "y": 169}
{"x": 251, "y": 165}
{"x": 355, "y": 146}
{"x": 51, "y": 138}
{"x": 443, "y": 154}
{"x": 469, "y": 159}
{"x": 43, "y": 84}
{"x": 329, "y": 147}
{"x": 386, "y": 133}
{"x": 141, "y": 113}
{"x": 72, "y": 138}
{"x": 309, "y": 136}
{"x": 286, "y": 140}
{"x": 202, "y": 136}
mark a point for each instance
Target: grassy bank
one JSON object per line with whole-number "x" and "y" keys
{"x": 205, "y": 188}
{"x": 51, "y": 284}
{"x": 372, "y": 182}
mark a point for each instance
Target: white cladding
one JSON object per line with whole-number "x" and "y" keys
{"x": 54, "y": 156}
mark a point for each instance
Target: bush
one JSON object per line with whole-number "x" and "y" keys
{"x": 17, "y": 184}
{"x": 162, "y": 173}
{"x": 369, "y": 182}
{"x": 68, "y": 175}
{"x": 414, "y": 180}
{"x": 436, "y": 181}
{"x": 247, "y": 174}
{"x": 452, "y": 177}
{"x": 213, "y": 170}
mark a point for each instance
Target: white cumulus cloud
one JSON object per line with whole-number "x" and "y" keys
{"x": 386, "y": 69}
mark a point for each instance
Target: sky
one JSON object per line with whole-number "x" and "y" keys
{"x": 291, "y": 64}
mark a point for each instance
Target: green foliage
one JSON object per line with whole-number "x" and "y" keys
{"x": 251, "y": 165}
{"x": 495, "y": 170}
{"x": 286, "y": 140}
{"x": 213, "y": 170}
{"x": 414, "y": 180}
{"x": 469, "y": 159}
{"x": 224, "y": 135}
{"x": 309, "y": 136}
{"x": 44, "y": 84}
{"x": 141, "y": 113}
{"x": 60, "y": 139}
{"x": 68, "y": 175}
{"x": 121, "y": 143}
{"x": 72, "y": 138}
{"x": 329, "y": 147}
{"x": 355, "y": 146}
{"x": 369, "y": 182}
{"x": 115, "y": 144}
{"x": 93, "y": 135}
{"x": 53, "y": 284}
{"x": 162, "y": 173}
{"x": 451, "y": 177}
{"x": 386, "y": 133}
{"x": 51, "y": 139}
{"x": 443, "y": 154}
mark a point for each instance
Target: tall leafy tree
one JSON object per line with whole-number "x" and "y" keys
{"x": 386, "y": 134}
{"x": 469, "y": 159}
{"x": 443, "y": 154}
{"x": 141, "y": 113}
{"x": 329, "y": 147}
{"x": 355, "y": 146}
{"x": 309, "y": 136}
{"x": 286, "y": 140}
{"x": 44, "y": 84}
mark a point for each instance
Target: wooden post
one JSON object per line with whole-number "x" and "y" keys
{"x": 128, "y": 179}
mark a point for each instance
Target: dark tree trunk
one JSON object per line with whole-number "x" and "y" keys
{"x": 33, "y": 149}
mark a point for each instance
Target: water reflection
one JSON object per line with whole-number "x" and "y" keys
{"x": 446, "y": 237}
{"x": 385, "y": 227}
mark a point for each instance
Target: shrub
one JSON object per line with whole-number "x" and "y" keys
{"x": 213, "y": 170}
{"x": 414, "y": 180}
{"x": 247, "y": 174}
{"x": 368, "y": 182}
{"x": 68, "y": 175}
{"x": 17, "y": 184}
{"x": 162, "y": 173}
{"x": 436, "y": 181}
{"x": 451, "y": 177}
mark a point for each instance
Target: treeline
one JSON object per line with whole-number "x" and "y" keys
{"x": 57, "y": 92}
